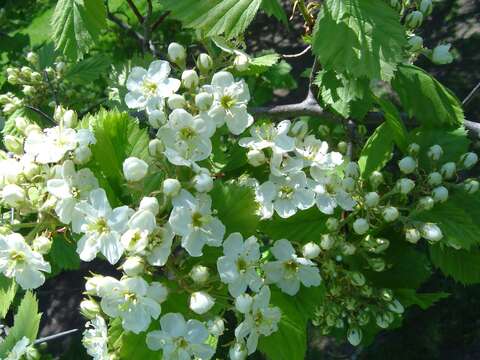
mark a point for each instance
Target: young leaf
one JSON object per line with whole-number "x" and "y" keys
{"x": 274, "y": 8}
{"x": 25, "y": 323}
{"x": 214, "y": 17}
{"x": 8, "y": 289}
{"x": 463, "y": 266}
{"x": 426, "y": 99}
{"x": 88, "y": 70}
{"x": 76, "y": 25}
{"x": 63, "y": 255}
{"x": 409, "y": 297}
{"x": 377, "y": 151}
{"x": 360, "y": 38}
{"x": 395, "y": 123}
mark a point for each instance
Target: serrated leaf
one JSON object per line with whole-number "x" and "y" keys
{"x": 303, "y": 227}
{"x": 424, "y": 98}
{"x": 8, "y": 289}
{"x": 236, "y": 207}
{"x": 409, "y": 297}
{"x": 214, "y": 17}
{"x": 46, "y": 55}
{"x": 261, "y": 64}
{"x": 395, "y": 123}
{"x": 25, "y": 323}
{"x": 359, "y": 38}
{"x": 462, "y": 265}
{"x": 275, "y": 8}
{"x": 134, "y": 348}
{"x": 377, "y": 151}
{"x": 88, "y": 70}
{"x": 76, "y": 25}
{"x": 63, "y": 255}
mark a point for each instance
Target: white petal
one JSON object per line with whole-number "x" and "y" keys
{"x": 174, "y": 324}
{"x": 283, "y": 250}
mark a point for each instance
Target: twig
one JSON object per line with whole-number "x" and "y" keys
{"x": 125, "y": 26}
{"x": 50, "y": 85}
{"x": 301, "y": 53}
{"x": 135, "y": 11}
{"x": 40, "y": 112}
{"x": 55, "y": 336}
{"x": 160, "y": 20}
{"x": 306, "y": 15}
{"x": 471, "y": 95}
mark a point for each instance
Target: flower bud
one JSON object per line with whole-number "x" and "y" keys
{"x": 70, "y": 119}
{"x": 21, "y": 123}
{"x": 190, "y": 79}
{"x": 82, "y": 155}
{"x": 448, "y": 170}
{"x": 150, "y": 204}
{"x": 348, "y": 184}
{"x": 469, "y": 159}
{"x": 440, "y": 194}
{"x": 36, "y": 77}
{"x": 372, "y": 199}
{"x": 377, "y": 264}
{"x": 299, "y": 129}
{"x": 42, "y": 244}
{"x": 310, "y": 250}
{"x": 407, "y": 165}
{"x": 171, "y": 187}
{"x": 324, "y": 130}
{"x": 405, "y": 185}
{"x": 176, "y": 101}
{"x": 357, "y": 278}
{"x": 426, "y": 203}
{"x": 204, "y": 101}
{"x": 431, "y": 232}
{"x": 396, "y": 307}
{"x": 352, "y": 170}
{"x": 413, "y": 149}
{"x": 60, "y": 67}
{"x": 241, "y": 62}
{"x": 415, "y": 43}
{"x": 28, "y": 90}
{"x": 89, "y": 309}
{"x": 243, "y": 303}
{"x": 471, "y": 186}
{"x": 441, "y": 54}
{"x": 177, "y": 53}
{"x": 376, "y": 179}
{"x": 134, "y": 169}
{"x": 31, "y": 128}
{"x": 435, "y": 152}
{"x": 332, "y": 224}
{"x": 342, "y": 147}
{"x": 13, "y": 195}
{"x": 426, "y": 7}
{"x": 200, "y": 274}
{"x": 434, "y": 178}
{"x": 216, "y": 327}
{"x": 30, "y": 169}
{"x": 414, "y": 19}
{"x": 155, "y": 148}
{"x": 32, "y": 58}
{"x": 133, "y": 265}
{"x": 204, "y": 63}
{"x": 203, "y": 182}
{"x": 156, "y": 118}
{"x": 390, "y": 214}
{"x": 13, "y": 144}
{"x": 348, "y": 249}
{"x": 256, "y": 157}
{"x": 360, "y": 226}
{"x": 412, "y": 235}
{"x": 201, "y": 302}
{"x": 238, "y": 352}
{"x": 354, "y": 336}
{"x": 26, "y": 72}
{"x": 327, "y": 241}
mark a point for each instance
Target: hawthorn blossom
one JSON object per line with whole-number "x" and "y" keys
{"x": 230, "y": 101}
{"x": 19, "y": 261}
{"x": 133, "y": 300}
{"x": 285, "y": 195}
{"x": 70, "y": 187}
{"x": 191, "y": 218}
{"x": 330, "y": 193}
{"x": 284, "y": 164}
{"x": 260, "y": 317}
{"x": 22, "y": 350}
{"x": 237, "y": 267}
{"x": 180, "y": 339}
{"x": 160, "y": 245}
{"x": 101, "y": 226}
{"x": 315, "y": 154}
{"x": 269, "y": 136}
{"x": 95, "y": 338}
{"x": 289, "y": 270}
{"x": 51, "y": 145}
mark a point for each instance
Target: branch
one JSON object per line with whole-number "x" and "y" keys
{"x": 55, "y": 336}
{"x": 124, "y": 26}
{"x": 160, "y": 20}
{"x": 41, "y": 113}
{"x": 471, "y": 94}
{"x": 135, "y": 11}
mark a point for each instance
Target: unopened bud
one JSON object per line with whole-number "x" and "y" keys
{"x": 155, "y": 148}
{"x": 310, "y": 250}
{"x": 177, "y": 53}
{"x": 434, "y": 178}
{"x": 42, "y": 244}
{"x": 412, "y": 235}
{"x": 360, "y": 226}
{"x": 471, "y": 186}
{"x": 200, "y": 274}
{"x": 332, "y": 224}
{"x": 204, "y": 101}
{"x": 203, "y": 182}
{"x": 150, "y": 204}
{"x": 171, "y": 187}
{"x": 435, "y": 152}
{"x": 426, "y": 203}
{"x": 13, "y": 144}
{"x": 390, "y": 214}
{"x": 190, "y": 79}
{"x": 440, "y": 194}
{"x": 448, "y": 170}
{"x": 13, "y": 195}
{"x": 176, "y": 101}
{"x": 415, "y": 43}
{"x": 372, "y": 199}
{"x": 376, "y": 179}
{"x": 32, "y": 58}
{"x": 469, "y": 159}
{"x": 134, "y": 169}
{"x": 256, "y": 157}
{"x": 405, "y": 185}
{"x": 204, "y": 63}
{"x": 89, "y": 309}
{"x": 431, "y": 232}
{"x": 133, "y": 265}
{"x": 441, "y": 54}
{"x": 407, "y": 165}
{"x": 414, "y": 19}
{"x": 426, "y": 7}
{"x": 201, "y": 302}
{"x": 352, "y": 170}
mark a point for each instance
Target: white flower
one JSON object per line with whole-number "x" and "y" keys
{"x": 330, "y": 194}
{"x": 51, "y": 145}
{"x": 238, "y": 267}
{"x": 145, "y": 86}
{"x": 216, "y": 326}
{"x": 260, "y": 318}
{"x": 268, "y": 135}
{"x": 10, "y": 170}
{"x": 13, "y": 195}
{"x": 315, "y": 154}
{"x": 19, "y": 261}
{"x": 22, "y": 350}
{"x": 133, "y": 300}
{"x": 186, "y": 138}
{"x": 285, "y": 195}
{"x": 230, "y": 102}
{"x": 160, "y": 245}
{"x": 102, "y": 227}
{"x": 134, "y": 169}
{"x": 95, "y": 338}
{"x": 180, "y": 339}
{"x": 140, "y": 226}
{"x": 441, "y": 54}
{"x": 69, "y": 187}
{"x": 201, "y": 302}
{"x": 191, "y": 218}
{"x": 289, "y": 269}
{"x": 150, "y": 204}
{"x": 282, "y": 164}
{"x": 156, "y": 112}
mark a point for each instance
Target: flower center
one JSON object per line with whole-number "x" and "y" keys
{"x": 241, "y": 265}
{"x": 187, "y": 133}
{"x": 17, "y": 256}
{"x": 100, "y": 226}
{"x": 181, "y": 343}
{"x": 150, "y": 87}
{"x": 286, "y": 192}
{"x": 198, "y": 220}
{"x": 227, "y": 101}
{"x": 291, "y": 268}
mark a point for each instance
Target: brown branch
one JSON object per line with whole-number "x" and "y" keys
{"x": 471, "y": 95}
{"x": 135, "y": 11}
{"x": 113, "y": 18}
{"x": 160, "y": 20}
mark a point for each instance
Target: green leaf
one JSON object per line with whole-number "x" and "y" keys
{"x": 290, "y": 341}
{"x": 261, "y": 64}
{"x": 8, "y": 289}
{"x": 409, "y": 297}
{"x": 395, "y": 123}
{"x": 63, "y": 255}
{"x": 377, "y": 151}
{"x": 134, "y": 348}
{"x": 25, "y": 323}
{"x": 424, "y": 98}
{"x": 76, "y": 25}
{"x": 46, "y": 55}
{"x": 275, "y": 8}
{"x": 303, "y": 227}
{"x": 214, "y": 17}
{"x": 236, "y": 207}
{"x": 360, "y": 38}
{"x": 88, "y": 70}
{"x": 462, "y": 265}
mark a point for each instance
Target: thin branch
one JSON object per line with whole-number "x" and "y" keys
{"x": 41, "y": 113}
{"x": 301, "y": 53}
{"x": 55, "y": 336}
{"x": 50, "y": 86}
{"x": 160, "y": 20}
{"x": 113, "y": 18}
{"x": 135, "y": 11}
{"x": 471, "y": 95}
